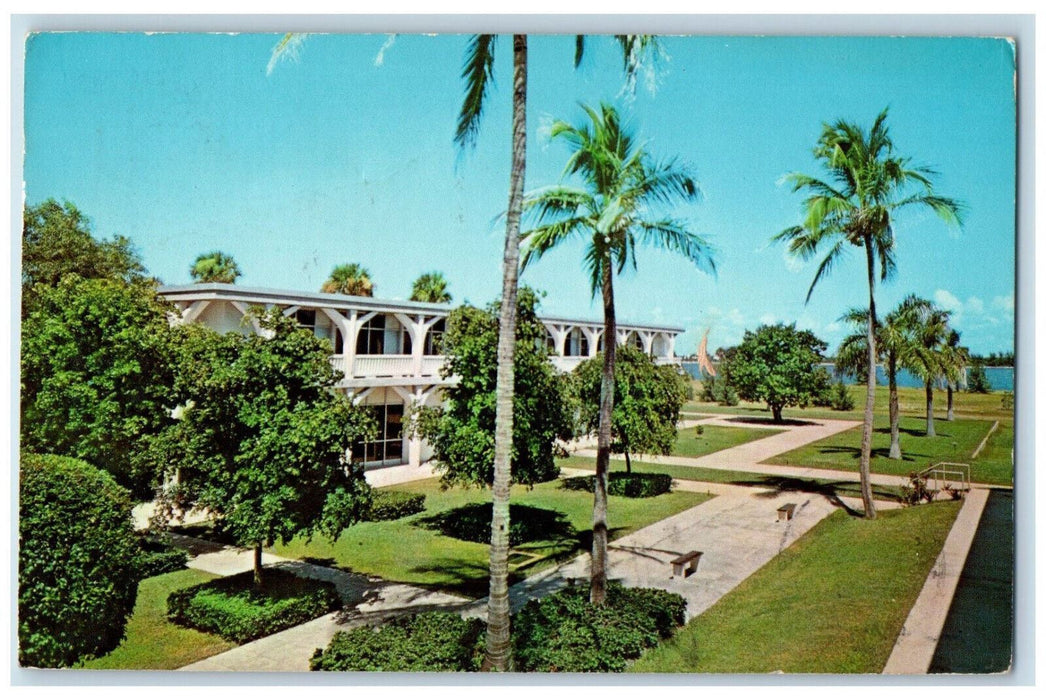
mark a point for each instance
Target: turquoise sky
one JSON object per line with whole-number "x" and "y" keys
{"x": 183, "y": 143}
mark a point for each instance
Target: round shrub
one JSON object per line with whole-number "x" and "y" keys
{"x": 78, "y": 561}
{"x": 430, "y": 641}
{"x": 392, "y": 505}
{"x": 526, "y": 523}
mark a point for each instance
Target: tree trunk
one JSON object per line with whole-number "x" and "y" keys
{"x": 951, "y": 404}
{"x": 258, "y": 565}
{"x": 869, "y": 402}
{"x": 776, "y": 411}
{"x": 895, "y": 409}
{"x": 598, "y": 592}
{"x": 498, "y": 655}
{"x": 930, "y": 432}
{"x": 628, "y": 463}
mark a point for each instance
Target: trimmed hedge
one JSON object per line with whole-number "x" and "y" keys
{"x": 233, "y": 609}
{"x": 563, "y": 632}
{"x": 430, "y": 641}
{"x": 160, "y": 557}
{"x": 632, "y": 485}
{"x": 526, "y": 524}
{"x": 392, "y": 505}
{"x": 78, "y": 561}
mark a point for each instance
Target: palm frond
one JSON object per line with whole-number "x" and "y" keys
{"x": 829, "y": 261}
{"x": 478, "y": 73}
{"x": 287, "y": 48}
{"x": 674, "y": 237}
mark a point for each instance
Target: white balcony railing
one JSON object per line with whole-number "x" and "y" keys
{"x": 383, "y": 366}
{"x": 430, "y": 365}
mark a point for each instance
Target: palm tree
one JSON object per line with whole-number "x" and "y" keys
{"x": 954, "y": 359}
{"x": 352, "y": 279}
{"x": 215, "y": 266}
{"x": 867, "y": 185}
{"x": 430, "y": 287}
{"x": 893, "y": 339}
{"x": 478, "y": 73}
{"x": 611, "y": 213}
{"x": 926, "y": 359}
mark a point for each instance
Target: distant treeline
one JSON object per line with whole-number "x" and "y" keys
{"x": 995, "y": 359}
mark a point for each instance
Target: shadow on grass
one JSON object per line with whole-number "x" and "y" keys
{"x": 777, "y": 485}
{"x": 755, "y": 420}
{"x": 526, "y": 524}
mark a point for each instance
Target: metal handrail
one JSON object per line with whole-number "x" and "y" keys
{"x": 938, "y": 473}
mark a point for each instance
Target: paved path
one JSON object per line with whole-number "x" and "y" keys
{"x": 917, "y": 642}
{"x": 367, "y": 600}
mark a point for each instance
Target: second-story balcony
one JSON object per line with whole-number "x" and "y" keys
{"x": 365, "y": 366}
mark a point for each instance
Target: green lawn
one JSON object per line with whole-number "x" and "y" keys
{"x": 834, "y": 602}
{"x": 912, "y": 402}
{"x": 955, "y": 442}
{"x": 714, "y": 438}
{"x": 403, "y": 550}
{"x": 723, "y": 476}
{"x": 151, "y": 642}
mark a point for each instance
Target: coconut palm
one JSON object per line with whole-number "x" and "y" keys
{"x": 927, "y": 357}
{"x": 868, "y": 184}
{"x": 215, "y": 266}
{"x": 611, "y": 212}
{"x": 479, "y": 73}
{"x": 893, "y": 339}
{"x": 954, "y": 360}
{"x": 430, "y": 287}
{"x": 352, "y": 279}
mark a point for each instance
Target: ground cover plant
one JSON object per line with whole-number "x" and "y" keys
{"x": 629, "y": 485}
{"x": 159, "y": 556}
{"x": 430, "y": 641}
{"x": 152, "y": 642}
{"x": 955, "y": 441}
{"x": 405, "y": 551}
{"x": 564, "y": 632}
{"x": 236, "y": 609}
{"x": 78, "y": 561}
{"x": 713, "y": 438}
{"x": 833, "y": 602}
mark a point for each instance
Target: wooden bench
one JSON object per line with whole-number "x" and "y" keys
{"x": 685, "y": 564}
{"x": 786, "y": 511}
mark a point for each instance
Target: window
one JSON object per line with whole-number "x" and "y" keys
{"x": 434, "y": 338}
{"x": 387, "y": 447}
{"x": 383, "y": 335}
{"x": 321, "y": 326}
{"x": 577, "y": 344}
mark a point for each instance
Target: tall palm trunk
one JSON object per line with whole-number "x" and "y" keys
{"x": 869, "y": 402}
{"x": 930, "y": 432}
{"x": 895, "y": 410}
{"x": 499, "y": 650}
{"x": 951, "y": 404}
{"x": 598, "y": 593}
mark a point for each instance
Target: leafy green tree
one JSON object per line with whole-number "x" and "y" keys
{"x": 57, "y": 241}
{"x": 954, "y": 358}
{"x": 977, "y": 380}
{"x": 96, "y": 375}
{"x": 215, "y": 266}
{"x": 77, "y": 561}
{"x": 894, "y": 339}
{"x": 868, "y": 184}
{"x": 430, "y": 287}
{"x": 777, "y": 364}
{"x": 462, "y": 432}
{"x": 262, "y": 440}
{"x": 647, "y": 401}
{"x": 352, "y": 279}
{"x": 611, "y": 212}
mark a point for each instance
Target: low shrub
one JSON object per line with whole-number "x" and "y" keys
{"x": 430, "y": 641}
{"x": 159, "y": 556}
{"x": 841, "y": 399}
{"x": 232, "y": 608}
{"x": 632, "y": 485}
{"x": 392, "y": 505}
{"x": 1007, "y": 401}
{"x": 526, "y": 524}
{"x": 563, "y": 632}
{"x": 718, "y": 390}
{"x": 916, "y": 491}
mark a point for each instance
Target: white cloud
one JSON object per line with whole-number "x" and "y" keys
{"x": 948, "y": 301}
{"x": 767, "y": 319}
{"x": 1005, "y": 303}
{"x": 793, "y": 263}
{"x": 975, "y": 305}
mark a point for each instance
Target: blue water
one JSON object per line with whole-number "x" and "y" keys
{"x": 1000, "y": 378}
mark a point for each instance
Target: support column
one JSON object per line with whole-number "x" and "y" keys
{"x": 648, "y": 342}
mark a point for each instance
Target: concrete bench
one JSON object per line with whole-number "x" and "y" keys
{"x": 685, "y": 564}
{"x": 786, "y": 511}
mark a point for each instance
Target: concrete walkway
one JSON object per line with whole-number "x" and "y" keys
{"x": 917, "y": 642}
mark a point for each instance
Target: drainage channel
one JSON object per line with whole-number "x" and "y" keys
{"x": 978, "y": 632}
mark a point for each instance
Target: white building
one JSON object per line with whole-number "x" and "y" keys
{"x": 387, "y": 349}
